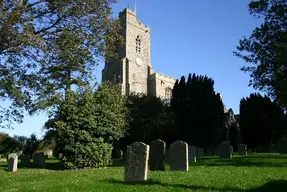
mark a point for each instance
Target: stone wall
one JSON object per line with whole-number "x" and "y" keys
{"x": 161, "y": 85}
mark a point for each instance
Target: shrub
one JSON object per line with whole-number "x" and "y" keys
{"x": 93, "y": 154}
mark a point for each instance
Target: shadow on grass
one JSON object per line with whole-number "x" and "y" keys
{"x": 257, "y": 161}
{"x": 275, "y": 185}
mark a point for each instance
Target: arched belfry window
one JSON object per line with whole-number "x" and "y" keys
{"x": 138, "y": 45}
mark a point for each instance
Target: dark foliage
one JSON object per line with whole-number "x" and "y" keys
{"x": 260, "y": 120}
{"x": 265, "y": 49}
{"x": 199, "y": 110}
{"x": 150, "y": 119}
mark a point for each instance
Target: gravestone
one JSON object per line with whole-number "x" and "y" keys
{"x": 282, "y": 146}
{"x": 117, "y": 154}
{"x": 157, "y": 155}
{"x": 199, "y": 152}
{"x": 242, "y": 150}
{"x": 225, "y": 150}
{"x": 266, "y": 148}
{"x": 178, "y": 156}
{"x": 191, "y": 154}
{"x": 25, "y": 159}
{"x": 136, "y": 162}
{"x": 11, "y": 155}
{"x": 12, "y": 162}
{"x": 60, "y": 155}
{"x": 39, "y": 160}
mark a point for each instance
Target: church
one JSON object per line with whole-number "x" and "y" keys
{"x": 133, "y": 70}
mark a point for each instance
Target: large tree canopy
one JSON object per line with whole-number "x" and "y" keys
{"x": 199, "y": 110}
{"x": 261, "y": 120}
{"x": 45, "y": 43}
{"x": 265, "y": 50}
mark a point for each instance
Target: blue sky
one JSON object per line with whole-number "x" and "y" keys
{"x": 188, "y": 36}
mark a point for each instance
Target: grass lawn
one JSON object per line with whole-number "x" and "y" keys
{"x": 256, "y": 172}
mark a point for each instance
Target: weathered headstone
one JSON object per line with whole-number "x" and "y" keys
{"x": 178, "y": 156}
{"x": 12, "y": 162}
{"x": 10, "y": 155}
{"x": 225, "y": 150}
{"x": 117, "y": 154}
{"x": 199, "y": 152}
{"x": 60, "y": 155}
{"x": 25, "y": 159}
{"x": 282, "y": 146}
{"x": 39, "y": 160}
{"x": 157, "y": 155}
{"x": 242, "y": 150}
{"x": 191, "y": 154}
{"x": 266, "y": 148}
{"x": 136, "y": 162}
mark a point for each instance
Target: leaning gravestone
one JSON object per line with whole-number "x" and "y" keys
{"x": 117, "y": 154}
{"x": 242, "y": 150}
{"x": 178, "y": 156}
{"x": 225, "y": 150}
{"x": 25, "y": 159}
{"x": 136, "y": 162}
{"x": 157, "y": 155}
{"x": 39, "y": 160}
{"x": 191, "y": 154}
{"x": 12, "y": 162}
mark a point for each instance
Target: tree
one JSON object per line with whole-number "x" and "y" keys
{"x": 33, "y": 38}
{"x": 150, "y": 119}
{"x": 260, "y": 120}
{"x": 265, "y": 49}
{"x": 32, "y": 144}
{"x": 8, "y": 144}
{"x": 87, "y": 123}
{"x": 199, "y": 110}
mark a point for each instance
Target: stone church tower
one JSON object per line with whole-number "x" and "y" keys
{"x": 134, "y": 70}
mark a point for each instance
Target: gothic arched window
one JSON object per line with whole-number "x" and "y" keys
{"x": 138, "y": 45}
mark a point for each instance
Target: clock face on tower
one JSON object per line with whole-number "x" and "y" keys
{"x": 139, "y": 61}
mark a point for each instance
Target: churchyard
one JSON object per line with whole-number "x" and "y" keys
{"x": 252, "y": 172}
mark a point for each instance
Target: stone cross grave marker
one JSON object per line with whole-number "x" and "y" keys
{"x": 136, "y": 164}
